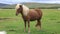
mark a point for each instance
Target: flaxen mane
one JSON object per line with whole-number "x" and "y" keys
{"x": 25, "y": 9}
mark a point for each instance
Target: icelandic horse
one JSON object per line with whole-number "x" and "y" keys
{"x": 29, "y": 15}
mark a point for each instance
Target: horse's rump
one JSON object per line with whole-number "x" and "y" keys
{"x": 39, "y": 11}
{"x": 36, "y": 11}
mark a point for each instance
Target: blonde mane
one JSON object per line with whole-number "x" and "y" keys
{"x": 17, "y": 6}
{"x": 25, "y": 9}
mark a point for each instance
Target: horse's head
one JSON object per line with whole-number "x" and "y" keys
{"x": 22, "y": 9}
{"x": 18, "y": 9}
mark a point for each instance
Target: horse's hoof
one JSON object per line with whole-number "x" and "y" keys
{"x": 24, "y": 31}
{"x": 28, "y": 32}
{"x": 38, "y": 28}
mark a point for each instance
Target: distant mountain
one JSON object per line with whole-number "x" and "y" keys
{"x": 1, "y": 4}
{"x": 41, "y": 5}
{"x": 32, "y": 5}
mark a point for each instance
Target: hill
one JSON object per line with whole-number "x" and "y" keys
{"x": 42, "y": 5}
{"x": 32, "y": 5}
{"x": 1, "y": 4}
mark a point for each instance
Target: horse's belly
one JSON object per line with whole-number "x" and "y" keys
{"x": 32, "y": 18}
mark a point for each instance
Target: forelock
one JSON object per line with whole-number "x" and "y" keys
{"x": 18, "y": 6}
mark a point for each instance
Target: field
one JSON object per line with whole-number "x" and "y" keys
{"x": 13, "y": 24}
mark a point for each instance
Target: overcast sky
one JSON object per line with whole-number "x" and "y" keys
{"x": 19, "y": 1}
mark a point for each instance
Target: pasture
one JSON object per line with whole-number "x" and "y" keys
{"x": 13, "y": 24}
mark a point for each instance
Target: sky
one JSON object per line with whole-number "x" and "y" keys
{"x": 19, "y": 1}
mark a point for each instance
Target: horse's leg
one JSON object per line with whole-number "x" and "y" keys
{"x": 28, "y": 26}
{"x": 25, "y": 25}
{"x": 38, "y": 25}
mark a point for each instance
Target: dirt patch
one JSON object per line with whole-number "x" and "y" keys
{"x": 4, "y": 18}
{"x": 8, "y": 18}
{"x": 53, "y": 19}
{"x": 58, "y": 22}
{"x": 11, "y": 30}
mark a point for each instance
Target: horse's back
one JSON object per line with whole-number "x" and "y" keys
{"x": 34, "y": 14}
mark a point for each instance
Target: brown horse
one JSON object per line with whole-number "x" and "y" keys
{"x": 29, "y": 15}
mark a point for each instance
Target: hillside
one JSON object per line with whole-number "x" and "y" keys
{"x": 32, "y": 5}
{"x": 1, "y": 4}
{"x": 39, "y": 5}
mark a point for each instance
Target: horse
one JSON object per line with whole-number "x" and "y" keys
{"x": 29, "y": 15}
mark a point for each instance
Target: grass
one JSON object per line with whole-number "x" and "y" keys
{"x": 14, "y": 24}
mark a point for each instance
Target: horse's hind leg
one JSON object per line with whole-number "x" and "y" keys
{"x": 38, "y": 25}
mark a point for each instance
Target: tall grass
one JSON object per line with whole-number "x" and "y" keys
{"x": 14, "y": 24}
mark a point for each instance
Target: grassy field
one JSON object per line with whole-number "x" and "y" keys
{"x": 13, "y": 24}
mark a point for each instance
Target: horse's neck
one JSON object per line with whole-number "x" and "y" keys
{"x": 22, "y": 11}
{"x": 25, "y": 10}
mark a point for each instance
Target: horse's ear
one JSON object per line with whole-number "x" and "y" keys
{"x": 20, "y": 5}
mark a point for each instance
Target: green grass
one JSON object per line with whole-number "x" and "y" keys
{"x": 50, "y": 22}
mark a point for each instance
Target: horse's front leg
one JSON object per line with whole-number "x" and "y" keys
{"x": 25, "y": 25}
{"x": 28, "y": 26}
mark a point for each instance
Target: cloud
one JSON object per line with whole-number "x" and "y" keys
{"x": 19, "y": 1}
{"x": 45, "y": 0}
{"x": 14, "y": 1}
